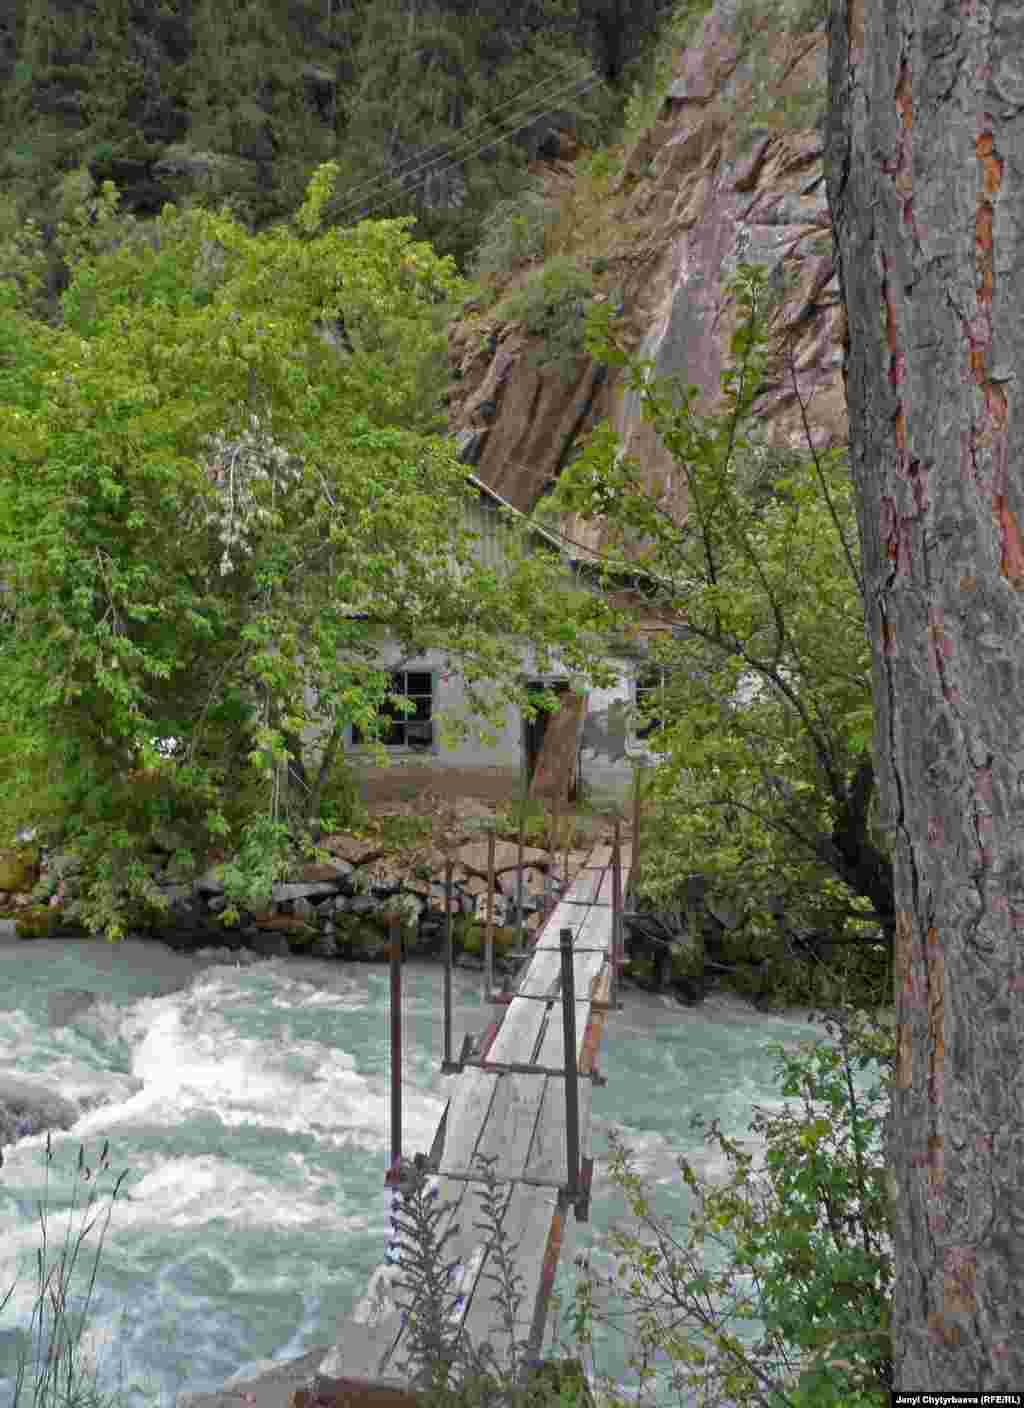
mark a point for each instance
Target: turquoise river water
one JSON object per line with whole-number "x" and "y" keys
{"x": 250, "y": 1106}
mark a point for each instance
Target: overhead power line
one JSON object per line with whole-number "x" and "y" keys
{"x": 347, "y": 202}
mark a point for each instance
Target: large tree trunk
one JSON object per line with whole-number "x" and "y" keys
{"x": 925, "y": 152}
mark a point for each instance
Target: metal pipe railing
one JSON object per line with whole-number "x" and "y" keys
{"x": 449, "y": 1065}
{"x": 489, "y": 941}
{"x": 449, "y": 963}
{"x": 519, "y": 873}
{"x": 572, "y": 1094}
{"x": 634, "y": 862}
{"x": 616, "y": 913}
{"x": 396, "y": 1048}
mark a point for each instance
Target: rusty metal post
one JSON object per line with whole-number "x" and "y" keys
{"x": 449, "y": 959}
{"x": 572, "y": 1093}
{"x": 553, "y": 861}
{"x": 565, "y": 858}
{"x": 519, "y": 883}
{"x": 616, "y": 912}
{"x": 489, "y": 942}
{"x": 634, "y": 862}
{"x": 396, "y": 1045}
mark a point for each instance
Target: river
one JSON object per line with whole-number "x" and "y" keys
{"x": 250, "y": 1104}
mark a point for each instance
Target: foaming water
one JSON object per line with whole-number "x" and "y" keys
{"x": 249, "y": 1106}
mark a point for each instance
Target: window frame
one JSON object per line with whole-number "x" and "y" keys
{"x": 638, "y": 742}
{"x": 356, "y": 740}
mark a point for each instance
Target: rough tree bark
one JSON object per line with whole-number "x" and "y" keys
{"x": 924, "y": 162}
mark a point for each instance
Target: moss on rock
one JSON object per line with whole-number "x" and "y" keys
{"x": 36, "y": 923}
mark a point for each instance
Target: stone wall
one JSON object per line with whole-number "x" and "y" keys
{"x": 338, "y": 909}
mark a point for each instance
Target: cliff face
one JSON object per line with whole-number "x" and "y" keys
{"x": 690, "y": 208}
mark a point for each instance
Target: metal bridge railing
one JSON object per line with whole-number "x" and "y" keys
{"x": 576, "y": 1190}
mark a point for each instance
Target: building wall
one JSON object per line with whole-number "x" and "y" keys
{"x": 607, "y": 746}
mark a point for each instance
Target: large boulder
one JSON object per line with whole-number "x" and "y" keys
{"x": 27, "y": 1107}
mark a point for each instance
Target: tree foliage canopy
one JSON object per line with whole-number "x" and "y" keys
{"x": 766, "y": 780}
{"x": 208, "y": 513}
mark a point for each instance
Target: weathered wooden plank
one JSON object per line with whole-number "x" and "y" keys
{"x": 508, "y": 1131}
{"x": 544, "y": 967}
{"x": 520, "y": 1030}
{"x": 546, "y": 1156}
{"x": 520, "y": 1118}
{"x": 470, "y": 1102}
{"x": 532, "y": 1217}
{"x": 527, "y": 1222}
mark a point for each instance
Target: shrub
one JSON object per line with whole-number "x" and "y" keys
{"x": 552, "y": 304}
{"x": 811, "y": 1234}
{"x": 441, "y": 1359}
{"x": 514, "y": 233}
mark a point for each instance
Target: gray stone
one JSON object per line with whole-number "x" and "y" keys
{"x": 209, "y": 883}
{"x": 362, "y": 904}
{"x": 437, "y": 893}
{"x": 64, "y": 1005}
{"x": 304, "y": 890}
{"x": 28, "y": 1107}
{"x": 268, "y": 945}
{"x": 177, "y": 894}
{"x": 324, "y": 947}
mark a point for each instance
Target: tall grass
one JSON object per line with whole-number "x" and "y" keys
{"x": 59, "y": 1378}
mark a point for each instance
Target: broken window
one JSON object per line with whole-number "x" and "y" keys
{"x": 649, "y": 699}
{"x": 407, "y": 730}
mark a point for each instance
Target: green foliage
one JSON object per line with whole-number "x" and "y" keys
{"x": 59, "y": 1380}
{"x": 22, "y": 256}
{"x": 514, "y": 233}
{"x": 208, "y": 514}
{"x": 222, "y": 103}
{"x": 806, "y": 1242}
{"x": 342, "y": 807}
{"x": 400, "y": 831}
{"x": 529, "y": 811}
{"x": 441, "y": 1360}
{"x": 766, "y": 782}
{"x": 429, "y": 85}
{"x": 648, "y": 91}
{"x": 552, "y": 304}
{"x": 262, "y": 859}
{"x": 759, "y": 102}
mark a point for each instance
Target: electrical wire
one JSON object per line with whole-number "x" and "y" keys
{"x": 470, "y": 136}
{"x": 349, "y": 200}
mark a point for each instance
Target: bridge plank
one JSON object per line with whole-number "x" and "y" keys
{"x": 519, "y": 1118}
{"x": 474, "y": 1093}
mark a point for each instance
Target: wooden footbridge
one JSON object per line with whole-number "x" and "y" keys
{"x": 522, "y": 1095}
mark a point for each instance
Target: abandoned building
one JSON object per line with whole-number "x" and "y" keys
{"x": 589, "y": 745}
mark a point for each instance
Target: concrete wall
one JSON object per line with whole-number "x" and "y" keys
{"x": 607, "y": 745}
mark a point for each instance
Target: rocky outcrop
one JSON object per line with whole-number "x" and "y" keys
{"x": 685, "y": 209}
